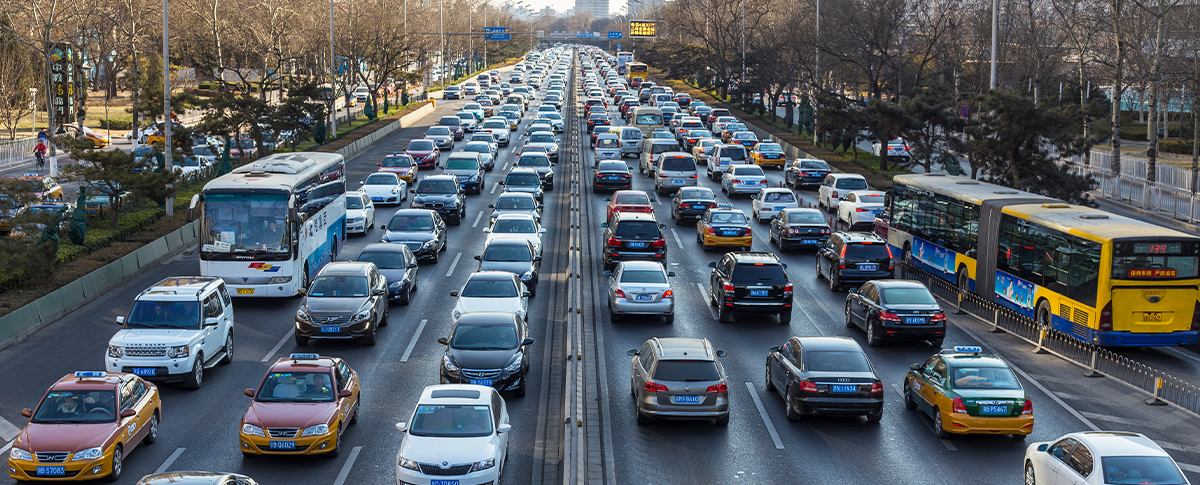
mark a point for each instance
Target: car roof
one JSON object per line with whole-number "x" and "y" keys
{"x": 383, "y": 248}
{"x": 190, "y": 286}
{"x": 840, "y": 175}
{"x": 754, "y": 257}
{"x": 491, "y": 275}
{"x": 345, "y": 268}
{"x": 515, "y": 215}
{"x": 610, "y": 164}
{"x": 679, "y": 348}
{"x": 1120, "y": 443}
{"x": 101, "y": 380}
{"x": 413, "y": 212}
{"x": 676, "y": 154}
{"x": 525, "y": 170}
{"x": 441, "y": 177}
{"x": 897, "y": 283}
{"x": 828, "y": 343}
{"x": 858, "y": 237}
{"x": 304, "y": 362}
{"x": 641, "y": 265}
{"x": 455, "y": 394}
{"x": 634, "y": 216}
{"x": 488, "y": 318}
{"x": 520, "y": 195}
{"x": 188, "y": 478}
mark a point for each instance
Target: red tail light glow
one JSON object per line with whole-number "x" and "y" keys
{"x": 834, "y": 194}
{"x": 712, "y": 232}
{"x": 612, "y": 241}
{"x": 1106, "y": 324}
{"x": 718, "y": 388}
{"x": 876, "y": 387}
{"x": 726, "y": 287}
{"x": 1028, "y": 409}
{"x": 654, "y": 387}
{"x": 860, "y": 209}
{"x": 958, "y": 407}
{"x": 658, "y": 243}
{"x": 619, "y": 293}
{"x": 939, "y": 317}
{"x": 669, "y": 294}
{"x": 808, "y": 386}
{"x": 889, "y": 316}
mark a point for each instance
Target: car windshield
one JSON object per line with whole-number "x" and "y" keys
{"x": 462, "y": 163}
{"x": 451, "y": 421}
{"x": 354, "y": 202}
{"x": 438, "y": 130}
{"x": 908, "y": 296}
{"x": 507, "y": 253}
{"x": 805, "y": 218}
{"x": 489, "y": 288}
{"x": 420, "y": 145}
{"x": 478, "y": 148}
{"x": 514, "y": 226}
{"x": 643, "y": 276}
{"x": 437, "y": 187}
{"x": 553, "y": 116}
{"x": 1159, "y": 470}
{"x": 397, "y": 161}
{"x": 678, "y": 164}
{"x": 411, "y": 223}
{"x": 339, "y": 287}
{"x": 852, "y": 183}
{"x": 164, "y": 314}
{"x": 542, "y": 138}
{"x": 484, "y": 138}
{"x": 472, "y": 106}
{"x": 495, "y": 125}
{"x": 77, "y": 407}
{"x": 632, "y": 199}
{"x": 836, "y": 361}
{"x": 292, "y": 386}
{"x": 449, "y": 121}
{"x": 744, "y": 135}
{"x": 984, "y": 378}
{"x": 770, "y": 148}
{"x": 484, "y": 337}
{"x": 686, "y": 371}
{"x": 516, "y": 203}
{"x": 728, "y": 218}
{"x": 191, "y": 161}
{"x": 533, "y": 161}
{"x": 814, "y": 165}
{"x": 381, "y": 179}
{"x": 384, "y": 259}
{"x": 518, "y": 179}
{"x": 638, "y": 229}
{"x": 465, "y": 116}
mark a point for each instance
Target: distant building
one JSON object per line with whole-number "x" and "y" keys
{"x": 598, "y": 8}
{"x": 548, "y": 12}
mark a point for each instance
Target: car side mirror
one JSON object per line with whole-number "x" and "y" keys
{"x": 631, "y": 352}
{"x": 1043, "y": 447}
{"x": 670, "y": 274}
{"x": 853, "y": 291}
{"x": 524, "y": 294}
{"x": 491, "y": 206}
{"x": 652, "y": 199}
{"x": 379, "y": 292}
{"x": 712, "y": 264}
{"x": 915, "y": 367}
{"x": 608, "y": 272}
{"x": 454, "y": 293}
{"x": 361, "y": 182}
{"x": 527, "y": 341}
{"x": 402, "y": 427}
{"x": 603, "y": 224}
{"x": 128, "y": 413}
{"x": 28, "y": 413}
{"x": 540, "y": 206}
{"x": 478, "y": 258}
{"x": 121, "y": 319}
{"x": 542, "y": 231}
{"x": 443, "y": 341}
{"x": 412, "y": 265}
{"x": 211, "y": 322}
{"x": 504, "y": 428}
{"x": 662, "y": 226}
{"x": 302, "y": 291}
{"x": 344, "y": 393}
{"x": 378, "y": 164}
{"x": 722, "y": 353}
{"x": 607, "y": 199}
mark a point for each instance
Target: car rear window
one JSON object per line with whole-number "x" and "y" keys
{"x": 686, "y": 370}
{"x": 779, "y": 197}
{"x": 814, "y": 165}
{"x": 749, "y": 171}
{"x": 751, "y": 274}
{"x": 870, "y": 199}
{"x": 612, "y": 167}
{"x": 908, "y": 296}
{"x": 678, "y": 164}
{"x": 643, "y": 276}
{"x": 733, "y": 153}
{"x": 656, "y": 148}
{"x": 696, "y": 194}
{"x": 642, "y": 229}
{"x": 836, "y": 361}
{"x": 852, "y": 183}
{"x": 867, "y": 251}
{"x": 805, "y": 218}
{"x": 633, "y": 199}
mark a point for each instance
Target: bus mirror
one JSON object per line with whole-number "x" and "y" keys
{"x": 192, "y": 208}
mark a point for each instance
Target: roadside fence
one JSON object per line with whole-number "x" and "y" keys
{"x": 17, "y": 151}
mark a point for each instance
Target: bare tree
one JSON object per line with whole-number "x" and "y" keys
{"x": 16, "y": 77}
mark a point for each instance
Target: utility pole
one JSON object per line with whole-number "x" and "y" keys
{"x": 995, "y": 26}
{"x": 743, "y": 83}
{"x": 332, "y": 73}
{"x": 167, "y": 106}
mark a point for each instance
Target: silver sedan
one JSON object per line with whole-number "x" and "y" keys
{"x": 640, "y": 288}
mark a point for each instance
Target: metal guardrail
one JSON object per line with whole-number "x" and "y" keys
{"x": 16, "y": 151}
{"x": 1162, "y": 387}
{"x": 1178, "y": 202}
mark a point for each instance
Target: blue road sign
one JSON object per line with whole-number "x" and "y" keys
{"x": 585, "y": 35}
{"x": 497, "y": 33}
{"x": 615, "y": 34}
{"x": 965, "y": 111}
{"x": 618, "y": 46}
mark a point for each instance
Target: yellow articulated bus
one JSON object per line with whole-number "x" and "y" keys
{"x": 1102, "y": 278}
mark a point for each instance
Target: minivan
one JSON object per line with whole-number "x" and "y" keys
{"x": 631, "y": 140}
{"x": 651, "y": 149}
{"x": 722, "y": 157}
{"x": 673, "y": 170}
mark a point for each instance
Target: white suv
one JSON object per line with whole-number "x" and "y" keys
{"x": 176, "y": 328}
{"x": 837, "y": 185}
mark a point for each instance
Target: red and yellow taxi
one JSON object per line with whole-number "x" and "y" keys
{"x": 301, "y": 407}
{"x": 724, "y": 226}
{"x": 968, "y": 392}
{"x": 84, "y": 427}
{"x": 39, "y": 187}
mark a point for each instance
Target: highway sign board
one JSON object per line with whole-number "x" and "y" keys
{"x": 615, "y": 34}
{"x": 497, "y": 33}
{"x": 642, "y": 29}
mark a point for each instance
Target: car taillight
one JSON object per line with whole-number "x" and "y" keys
{"x": 712, "y": 232}
{"x": 938, "y": 317}
{"x": 876, "y": 387}
{"x": 860, "y": 209}
{"x": 668, "y": 294}
{"x": 726, "y": 287}
{"x": 685, "y": 206}
{"x": 834, "y": 194}
{"x": 762, "y": 182}
{"x": 1028, "y": 409}
{"x": 612, "y": 241}
{"x": 712, "y": 204}
{"x": 787, "y": 290}
{"x": 808, "y": 386}
{"x": 658, "y": 243}
{"x": 693, "y": 176}
{"x": 958, "y": 407}
{"x": 662, "y": 175}
{"x": 803, "y": 174}
{"x": 718, "y": 388}
{"x": 1105, "y": 322}
{"x": 654, "y": 387}
{"x": 889, "y": 316}
{"x": 842, "y": 258}
{"x": 736, "y": 181}
{"x": 619, "y": 293}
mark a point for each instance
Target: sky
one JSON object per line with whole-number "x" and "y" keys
{"x": 560, "y": 6}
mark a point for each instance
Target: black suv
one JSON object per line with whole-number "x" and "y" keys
{"x": 633, "y": 236}
{"x": 854, "y": 258}
{"x": 750, "y": 282}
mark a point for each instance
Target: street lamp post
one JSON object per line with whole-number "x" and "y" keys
{"x": 995, "y": 25}
{"x": 333, "y": 74}
{"x": 33, "y": 111}
{"x": 167, "y": 107}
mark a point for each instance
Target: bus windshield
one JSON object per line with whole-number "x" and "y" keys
{"x": 245, "y": 224}
{"x": 649, "y": 119}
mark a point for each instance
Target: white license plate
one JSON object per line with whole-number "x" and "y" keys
{"x": 283, "y": 445}
{"x": 687, "y": 399}
{"x": 481, "y": 382}
{"x": 143, "y": 371}
{"x": 331, "y": 329}
{"x": 643, "y": 297}
{"x": 868, "y": 267}
{"x": 51, "y": 471}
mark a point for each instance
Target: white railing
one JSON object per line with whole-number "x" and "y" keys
{"x": 16, "y": 152}
{"x": 1173, "y": 200}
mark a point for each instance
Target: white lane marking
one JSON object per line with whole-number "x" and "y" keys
{"x": 477, "y": 218}
{"x": 1035, "y": 382}
{"x": 678, "y": 242}
{"x": 949, "y": 446}
{"x": 1111, "y": 419}
{"x": 7, "y": 430}
{"x": 1188, "y": 468}
{"x": 274, "y": 349}
{"x": 341, "y": 478}
{"x": 497, "y": 184}
{"x": 929, "y": 423}
{"x": 166, "y": 465}
{"x": 704, "y": 296}
{"x": 762, "y": 412}
{"x": 1181, "y": 353}
{"x": 453, "y": 264}
{"x": 6, "y": 447}
{"x": 505, "y": 167}
{"x": 413, "y": 343}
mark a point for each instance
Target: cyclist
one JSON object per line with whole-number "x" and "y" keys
{"x": 39, "y": 152}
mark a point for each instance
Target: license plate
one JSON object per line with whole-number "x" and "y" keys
{"x": 686, "y": 399}
{"x": 779, "y": 207}
{"x": 699, "y": 207}
{"x": 868, "y": 267}
{"x": 143, "y": 371}
{"x": 914, "y": 319}
{"x": 481, "y": 382}
{"x": 1151, "y": 316}
{"x": 808, "y": 241}
{"x": 283, "y": 445}
{"x": 643, "y": 297}
{"x": 992, "y": 409}
{"x": 51, "y": 470}
{"x": 758, "y": 292}
{"x": 843, "y": 388}
{"x": 245, "y": 291}
{"x": 611, "y": 177}
{"x": 443, "y": 482}
{"x": 331, "y": 329}
{"x": 677, "y": 182}
{"x": 636, "y": 244}
{"x": 730, "y": 232}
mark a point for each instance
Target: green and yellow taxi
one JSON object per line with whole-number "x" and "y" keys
{"x": 968, "y": 392}
{"x": 84, "y": 427}
{"x": 301, "y": 407}
{"x": 724, "y": 226}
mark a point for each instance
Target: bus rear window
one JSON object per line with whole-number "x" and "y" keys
{"x": 1155, "y": 260}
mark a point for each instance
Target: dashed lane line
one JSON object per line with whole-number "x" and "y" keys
{"x": 277, "y": 346}
{"x": 928, "y": 422}
{"x": 704, "y": 298}
{"x": 678, "y": 242}
{"x": 342, "y": 475}
{"x": 413, "y": 343}
{"x": 453, "y": 264}
{"x": 8, "y": 431}
{"x": 477, "y": 218}
{"x": 762, "y": 412}
{"x": 166, "y": 465}
{"x": 497, "y": 184}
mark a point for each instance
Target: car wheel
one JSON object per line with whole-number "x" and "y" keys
{"x": 767, "y": 378}
{"x": 337, "y": 448}
{"x": 228, "y": 349}
{"x": 936, "y": 343}
{"x": 1030, "y": 477}
{"x": 152, "y": 431}
{"x": 722, "y": 421}
{"x": 909, "y": 403}
{"x": 354, "y": 417}
{"x": 383, "y": 322}
{"x": 938, "y": 430}
{"x": 436, "y": 256}
{"x": 817, "y": 272}
{"x": 404, "y": 297}
{"x": 790, "y": 411}
{"x": 1018, "y": 436}
{"x": 115, "y": 472}
{"x": 613, "y": 316}
{"x": 371, "y": 337}
{"x": 642, "y": 418}
{"x": 785, "y": 318}
{"x": 195, "y": 378}
{"x": 872, "y": 339}
{"x": 849, "y": 317}
{"x": 723, "y": 315}
{"x": 834, "y": 285}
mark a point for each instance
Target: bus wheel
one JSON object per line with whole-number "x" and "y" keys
{"x": 1043, "y": 315}
{"x": 964, "y": 282}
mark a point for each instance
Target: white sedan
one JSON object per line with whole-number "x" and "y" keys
{"x": 492, "y": 291}
{"x": 1100, "y": 457}
{"x": 385, "y": 188}
{"x": 743, "y": 179}
{"x": 360, "y": 212}
{"x": 768, "y": 202}
{"x": 456, "y": 429}
{"x": 860, "y": 207}
{"x": 517, "y": 225}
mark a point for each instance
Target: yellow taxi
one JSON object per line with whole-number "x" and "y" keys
{"x": 84, "y": 427}
{"x": 301, "y": 407}
{"x": 724, "y": 226}
{"x": 768, "y": 154}
{"x": 968, "y": 392}
{"x": 39, "y": 186}
{"x": 99, "y": 140}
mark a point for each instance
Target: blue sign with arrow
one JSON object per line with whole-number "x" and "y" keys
{"x": 615, "y": 34}
{"x": 496, "y": 33}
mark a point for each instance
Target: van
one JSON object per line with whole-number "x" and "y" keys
{"x": 722, "y": 157}
{"x": 673, "y": 170}
{"x": 631, "y": 140}
{"x": 647, "y": 119}
{"x": 651, "y": 148}
{"x": 517, "y": 99}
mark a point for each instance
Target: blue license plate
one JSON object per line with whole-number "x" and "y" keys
{"x": 780, "y": 207}
{"x": 143, "y": 371}
{"x": 283, "y": 445}
{"x": 808, "y": 241}
{"x": 914, "y": 319}
{"x": 376, "y": 199}
{"x": 51, "y": 471}
{"x": 677, "y": 182}
{"x": 636, "y": 244}
{"x": 730, "y": 232}
{"x": 611, "y": 177}
{"x": 843, "y": 388}
{"x": 443, "y": 482}
{"x": 643, "y": 297}
{"x": 993, "y": 409}
{"x": 699, "y": 207}
{"x": 331, "y": 329}
{"x": 868, "y": 267}
{"x": 758, "y": 292}
{"x": 481, "y": 382}
{"x": 687, "y": 399}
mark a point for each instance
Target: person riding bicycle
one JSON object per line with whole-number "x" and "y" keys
{"x": 39, "y": 152}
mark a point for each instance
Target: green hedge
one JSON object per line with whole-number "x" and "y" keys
{"x": 116, "y": 123}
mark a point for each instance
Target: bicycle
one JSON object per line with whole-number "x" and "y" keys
{"x": 41, "y": 160}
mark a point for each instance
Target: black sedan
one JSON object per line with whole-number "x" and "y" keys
{"x": 799, "y": 227}
{"x": 805, "y": 172}
{"x": 612, "y": 175}
{"x": 825, "y": 376}
{"x": 691, "y": 202}
{"x": 487, "y": 349}
{"x": 896, "y": 310}
{"x": 422, "y": 230}
{"x": 398, "y": 264}
{"x": 443, "y": 194}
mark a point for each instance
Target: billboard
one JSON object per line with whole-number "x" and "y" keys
{"x": 642, "y": 29}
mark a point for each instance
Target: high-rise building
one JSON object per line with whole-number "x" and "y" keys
{"x": 598, "y": 8}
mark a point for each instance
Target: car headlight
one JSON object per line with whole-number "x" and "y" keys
{"x": 88, "y": 454}
{"x": 114, "y": 351}
{"x": 428, "y": 244}
{"x": 395, "y": 189}
{"x": 449, "y": 364}
{"x": 483, "y": 465}
{"x": 473, "y": 177}
{"x": 362, "y": 315}
{"x": 19, "y": 454}
{"x": 319, "y": 429}
{"x": 279, "y": 280}
{"x": 302, "y": 314}
{"x": 252, "y": 430}
{"x": 177, "y": 352}
{"x": 409, "y": 464}
{"x": 395, "y": 285}
{"x": 515, "y": 366}
{"x": 527, "y": 276}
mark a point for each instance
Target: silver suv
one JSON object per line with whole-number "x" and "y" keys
{"x": 679, "y": 378}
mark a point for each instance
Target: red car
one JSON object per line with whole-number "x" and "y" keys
{"x": 629, "y": 201}
{"x": 402, "y": 165}
{"x": 425, "y": 152}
